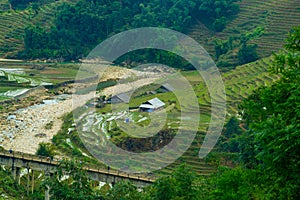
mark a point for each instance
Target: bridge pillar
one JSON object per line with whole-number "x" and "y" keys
{"x": 28, "y": 181}
{"x": 13, "y": 172}
{"x": 32, "y": 182}
{"x": 16, "y": 173}
{"x": 47, "y": 189}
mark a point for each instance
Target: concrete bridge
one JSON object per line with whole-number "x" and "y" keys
{"x": 18, "y": 160}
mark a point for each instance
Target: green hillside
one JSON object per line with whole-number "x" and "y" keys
{"x": 239, "y": 84}
{"x": 13, "y": 23}
{"x": 277, "y": 17}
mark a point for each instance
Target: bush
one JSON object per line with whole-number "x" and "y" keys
{"x": 49, "y": 125}
{"x": 247, "y": 53}
{"x": 45, "y": 149}
{"x": 219, "y": 24}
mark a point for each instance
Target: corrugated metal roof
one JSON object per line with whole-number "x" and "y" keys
{"x": 146, "y": 106}
{"x": 156, "y": 102}
{"x": 168, "y": 87}
{"x": 124, "y": 97}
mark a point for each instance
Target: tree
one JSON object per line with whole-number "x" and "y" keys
{"x": 273, "y": 115}
{"x": 218, "y": 11}
{"x": 177, "y": 186}
{"x": 70, "y": 181}
{"x": 124, "y": 191}
{"x": 35, "y": 7}
{"x": 79, "y": 27}
{"x": 229, "y": 140}
{"x": 45, "y": 149}
{"x": 219, "y": 24}
{"x": 234, "y": 184}
{"x": 165, "y": 188}
{"x": 247, "y": 53}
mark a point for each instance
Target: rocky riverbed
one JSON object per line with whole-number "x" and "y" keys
{"x": 25, "y": 128}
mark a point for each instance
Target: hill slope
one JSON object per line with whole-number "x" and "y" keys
{"x": 277, "y": 17}
{"x": 13, "y": 23}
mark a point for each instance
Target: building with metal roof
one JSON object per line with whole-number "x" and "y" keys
{"x": 120, "y": 98}
{"x": 167, "y": 87}
{"x": 152, "y": 105}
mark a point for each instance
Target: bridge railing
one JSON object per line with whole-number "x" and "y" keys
{"x": 87, "y": 166}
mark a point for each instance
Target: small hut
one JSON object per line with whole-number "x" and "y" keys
{"x": 152, "y": 105}
{"x": 120, "y": 98}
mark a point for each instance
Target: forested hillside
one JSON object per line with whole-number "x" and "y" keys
{"x": 233, "y": 32}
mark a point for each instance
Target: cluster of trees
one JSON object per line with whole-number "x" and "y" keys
{"x": 247, "y": 52}
{"x": 269, "y": 149}
{"x": 78, "y": 28}
{"x": 46, "y": 150}
{"x": 242, "y": 43}
{"x": 77, "y": 186}
{"x": 23, "y": 4}
{"x": 273, "y": 116}
{"x": 217, "y": 12}
{"x": 71, "y": 182}
{"x": 9, "y": 187}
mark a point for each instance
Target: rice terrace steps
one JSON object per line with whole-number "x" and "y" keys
{"x": 13, "y": 23}
{"x": 277, "y": 17}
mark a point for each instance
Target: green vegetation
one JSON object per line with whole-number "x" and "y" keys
{"x": 273, "y": 113}
{"x": 239, "y": 83}
{"x": 67, "y": 142}
{"x": 269, "y": 148}
{"x": 253, "y": 14}
{"x": 9, "y": 187}
{"x": 49, "y": 125}
{"x": 46, "y": 150}
{"x": 78, "y": 28}
{"x": 263, "y": 147}
{"x": 20, "y": 4}
{"x": 217, "y": 12}
{"x": 77, "y": 186}
{"x": 275, "y": 17}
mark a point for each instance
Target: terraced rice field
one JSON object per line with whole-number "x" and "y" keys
{"x": 13, "y": 23}
{"x": 239, "y": 84}
{"x": 277, "y": 17}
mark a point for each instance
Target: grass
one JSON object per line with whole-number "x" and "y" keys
{"x": 45, "y": 72}
{"x": 3, "y": 98}
{"x": 8, "y": 88}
